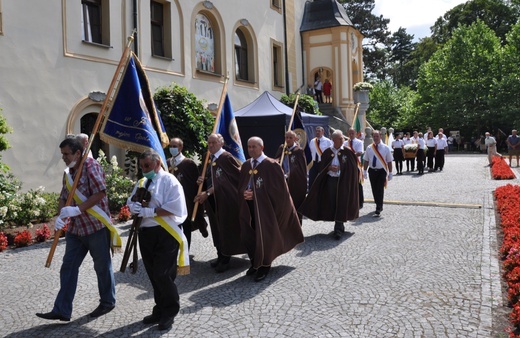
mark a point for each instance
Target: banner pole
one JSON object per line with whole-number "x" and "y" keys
{"x": 95, "y": 129}
{"x": 290, "y": 124}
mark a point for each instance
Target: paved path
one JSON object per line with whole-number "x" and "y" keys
{"x": 418, "y": 271}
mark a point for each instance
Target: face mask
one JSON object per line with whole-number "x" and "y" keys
{"x": 72, "y": 164}
{"x": 174, "y": 151}
{"x": 150, "y": 175}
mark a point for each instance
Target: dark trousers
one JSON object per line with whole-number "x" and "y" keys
{"x": 361, "y": 196}
{"x": 430, "y": 155}
{"x": 319, "y": 98}
{"x": 159, "y": 251}
{"x": 250, "y": 241}
{"x": 410, "y": 164}
{"x": 377, "y": 182}
{"x": 186, "y": 229}
{"x": 332, "y": 191}
{"x": 439, "y": 159}
{"x": 313, "y": 172}
{"x": 420, "y": 161}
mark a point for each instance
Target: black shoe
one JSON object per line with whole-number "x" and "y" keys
{"x": 221, "y": 267}
{"x": 251, "y": 271}
{"x": 151, "y": 319}
{"x": 204, "y": 232}
{"x": 53, "y": 316}
{"x": 262, "y": 273}
{"x": 215, "y": 263}
{"x": 337, "y": 234}
{"x": 101, "y": 310}
{"x": 165, "y": 323}
{"x": 377, "y": 213}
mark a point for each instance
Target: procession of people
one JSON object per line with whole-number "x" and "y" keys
{"x": 253, "y": 207}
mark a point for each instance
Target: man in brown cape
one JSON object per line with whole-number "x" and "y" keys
{"x": 222, "y": 204}
{"x": 294, "y": 166}
{"x": 187, "y": 173}
{"x": 334, "y": 196}
{"x": 268, "y": 220}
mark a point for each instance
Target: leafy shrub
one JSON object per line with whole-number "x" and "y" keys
{"x": 49, "y": 209}
{"x": 27, "y": 207}
{"x": 305, "y": 102}
{"x": 22, "y": 239}
{"x": 118, "y": 185}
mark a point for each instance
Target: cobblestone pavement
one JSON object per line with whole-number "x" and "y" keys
{"x": 418, "y": 271}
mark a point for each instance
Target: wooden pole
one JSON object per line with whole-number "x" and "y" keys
{"x": 206, "y": 159}
{"x": 290, "y": 124}
{"x": 111, "y": 92}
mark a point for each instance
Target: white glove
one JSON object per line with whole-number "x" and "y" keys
{"x": 365, "y": 174}
{"x": 59, "y": 224}
{"x": 69, "y": 212}
{"x": 147, "y": 212}
{"x": 390, "y": 176}
{"x": 135, "y": 207}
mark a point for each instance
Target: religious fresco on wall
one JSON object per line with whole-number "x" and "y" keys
{"x": 204, "y": 44}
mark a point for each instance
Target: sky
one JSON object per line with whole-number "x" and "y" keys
{"x": 417, "y": 16}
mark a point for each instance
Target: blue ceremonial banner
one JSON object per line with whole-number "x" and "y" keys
{"x": 299, "y": 129}
{"x": 227, "y": 127}
{"x": 133, "y": 123}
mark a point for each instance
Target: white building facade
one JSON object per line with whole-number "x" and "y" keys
{"x": 58, "y": 58}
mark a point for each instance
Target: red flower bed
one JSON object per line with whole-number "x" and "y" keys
{"x": 508, "y": 207}
{"x": 500, "y": 170}
{"x": 3, "y": 241}
{"x": 23, "y": 238}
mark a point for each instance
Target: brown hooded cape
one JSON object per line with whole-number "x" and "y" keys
{"x": 317, "y": 205}
{"x": 297, "y": 181}
{"x": 277, "y": 228}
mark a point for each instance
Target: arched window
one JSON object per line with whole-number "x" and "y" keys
{"x": 241, "y": 57}
{"x": 204, "y": 44}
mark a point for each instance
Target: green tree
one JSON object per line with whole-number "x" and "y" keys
{"x": 402, "y": 46}
{"x": 184, "y": 116}
{"x": 392, "y": 107}
{"x": 508, "y": 85}
{"x": 376, "y": 43}
{"x": 455, "y": 85}
{"x": 499, "y": 15}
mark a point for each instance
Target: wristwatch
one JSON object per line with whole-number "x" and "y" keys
{"x": 208, "y": 193}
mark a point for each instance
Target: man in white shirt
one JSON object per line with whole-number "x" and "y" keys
{"x": 317, "y": 146}
{"x": 378, "y": 161}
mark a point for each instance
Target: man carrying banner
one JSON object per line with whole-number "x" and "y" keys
{"x": 334, "y": 195}
{"x": 163, "y": 246}
{"x": 187, "y": 172}
{"x": 294, "y": 167}
{"x": 89, "y": 231}
{"x": 379, "y": 156}
{"x": 268, "y": 220}
{"x": 221, "y": 202}
{"x": 317, "y": 146}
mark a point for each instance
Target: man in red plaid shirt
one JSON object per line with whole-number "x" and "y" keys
{"x": 89, "y": 231}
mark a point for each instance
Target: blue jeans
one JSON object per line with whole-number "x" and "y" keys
{"x": 98, "y": 244}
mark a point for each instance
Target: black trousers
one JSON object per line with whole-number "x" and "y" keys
{"x": 420, "y": 161}
{"x": 159, "y": 251}
{"x": 439, "y": 159}
{"x": 313, "y": 172}
{"x": 377, "y": 182}
{"x": 430, "y": 156}
{"x": 332, "y": 191}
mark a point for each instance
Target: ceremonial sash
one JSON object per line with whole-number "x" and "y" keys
{"x": 318, "y": 149}
{"x": 95, "y": 211}
{"x": 183, "y": 258}
{"x": 382, "y": 160}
